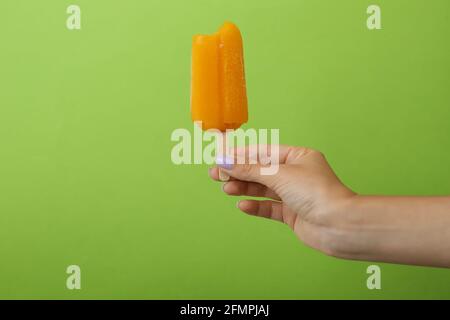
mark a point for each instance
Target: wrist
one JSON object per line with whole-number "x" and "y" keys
{"x": 343, "y": 230}
{"x": 411, "y": 230}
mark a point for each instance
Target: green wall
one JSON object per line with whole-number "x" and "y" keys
{"x": 86, "y": 117}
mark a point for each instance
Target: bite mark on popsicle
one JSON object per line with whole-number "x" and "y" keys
{"x": 218, "y": 90}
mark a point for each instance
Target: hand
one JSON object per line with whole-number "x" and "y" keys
{"x": 326, "y": 215}
{"x": 304, "y": 193}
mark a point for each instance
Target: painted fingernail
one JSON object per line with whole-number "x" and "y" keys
{"x": 224, "y": 162}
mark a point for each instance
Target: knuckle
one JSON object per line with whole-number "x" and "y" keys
{"x": 297, "y": 153}
{"x": 316, "y": 153}
{"x": 245, "y": 172}
{"x": 321, "y": 155}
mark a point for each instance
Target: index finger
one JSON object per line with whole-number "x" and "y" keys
{"x": 265, "y": 154}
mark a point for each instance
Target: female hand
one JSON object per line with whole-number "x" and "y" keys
{"x": 326, "y": 215}
{"x": 304, "y": 193}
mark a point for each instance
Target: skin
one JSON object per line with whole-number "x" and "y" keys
{"x": 306, "y": 195}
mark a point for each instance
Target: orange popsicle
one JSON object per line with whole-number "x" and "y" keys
{"x": 218, "y": 92}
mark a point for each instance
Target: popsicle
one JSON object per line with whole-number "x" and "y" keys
{"x": 218, "y": 91}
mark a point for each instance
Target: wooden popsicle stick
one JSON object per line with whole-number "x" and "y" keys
{"x": 223, "y": 176}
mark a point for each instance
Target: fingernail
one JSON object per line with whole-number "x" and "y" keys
{"x": 224, "y": 162}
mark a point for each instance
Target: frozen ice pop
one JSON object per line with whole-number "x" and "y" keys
{"x": 218, "y": 92}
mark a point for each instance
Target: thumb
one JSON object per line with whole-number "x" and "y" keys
{"x": 245, "y": 172}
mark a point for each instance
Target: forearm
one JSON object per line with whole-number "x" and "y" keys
{"x": 410, "y": 230}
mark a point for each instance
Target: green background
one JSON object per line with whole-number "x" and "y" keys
{"x": 86, "y": 117}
